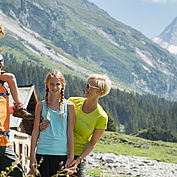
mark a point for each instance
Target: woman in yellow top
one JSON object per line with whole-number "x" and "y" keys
{"x": 91, "y": 119}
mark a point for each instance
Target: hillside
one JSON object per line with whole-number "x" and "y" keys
{"x": 79, "y": 38}
{"x": 131, "y": 112}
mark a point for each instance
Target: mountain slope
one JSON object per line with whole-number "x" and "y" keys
{"x": 79, "y": 36}
{"x": 168, "y": 38}
{"x": 36, "y": 44}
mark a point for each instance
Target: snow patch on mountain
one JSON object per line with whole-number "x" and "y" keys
{"x": 146, "y": 68}
{"x": 147, "y": 59}
{"x": 171, "y": 48}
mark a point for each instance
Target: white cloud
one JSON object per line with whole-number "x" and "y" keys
{"x": 160, "y": 1}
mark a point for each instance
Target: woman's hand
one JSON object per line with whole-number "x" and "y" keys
{"x": 75, "y": 162}
{"x": 68, "y": 162}
{"x": 44, "y": 125}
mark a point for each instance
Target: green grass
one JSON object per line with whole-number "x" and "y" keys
{"x": 93, "y": 172}
{"x": 121, "y": 144}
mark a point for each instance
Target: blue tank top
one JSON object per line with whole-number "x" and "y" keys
{"x": 53, "y": 140}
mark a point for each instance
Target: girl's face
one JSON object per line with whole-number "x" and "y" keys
{"x": 54, "y": 86}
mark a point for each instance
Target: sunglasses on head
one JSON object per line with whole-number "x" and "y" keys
{"x": 88, "y": 86}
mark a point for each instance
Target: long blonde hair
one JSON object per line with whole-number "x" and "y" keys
{"x": 55, "y": 74}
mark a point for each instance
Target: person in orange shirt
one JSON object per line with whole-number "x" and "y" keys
{"x": 7, "y": 155}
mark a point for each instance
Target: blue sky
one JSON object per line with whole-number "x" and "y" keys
{"x": 150, "y": 17}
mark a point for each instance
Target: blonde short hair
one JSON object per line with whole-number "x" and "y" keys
{"x": 102, "y": 81}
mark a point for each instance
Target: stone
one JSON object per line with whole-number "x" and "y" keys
{"x": 112, "y": 165}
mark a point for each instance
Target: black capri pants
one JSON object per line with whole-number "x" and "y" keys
{"x": 50, "y": 164}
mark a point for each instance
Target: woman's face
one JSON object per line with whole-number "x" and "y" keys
{"x": 91, "y": 89}
{"x": 54, "y": 86}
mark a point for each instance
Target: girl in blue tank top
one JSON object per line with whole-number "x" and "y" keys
{"x": 51, "y": 144}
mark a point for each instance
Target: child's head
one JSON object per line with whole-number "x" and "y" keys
{"x": 102, "y": 82}
{"x": 2, "y": 31}
{"x": 57, "y": 75}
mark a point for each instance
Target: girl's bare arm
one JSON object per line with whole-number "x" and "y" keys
{"x": 70, "y": 133}
{"x": 35, "y": 133}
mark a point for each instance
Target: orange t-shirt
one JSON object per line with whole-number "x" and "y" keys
{"x": 4, "y": 115}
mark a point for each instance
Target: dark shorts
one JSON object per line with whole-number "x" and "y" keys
{"x": 7, "y": 157}
{"x": 50, "y": 164}
{"x": 81, "y": 168}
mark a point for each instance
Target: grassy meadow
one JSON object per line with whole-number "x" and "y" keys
{"x": 122, "y": 144}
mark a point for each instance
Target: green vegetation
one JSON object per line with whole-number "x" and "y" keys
{"x": 94, "y": 172}
{"x": 88, "y": 36}
{"x": 131, "y": 111}
{"x": 121, "y": 144}
{"x": 157, "y": 133}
